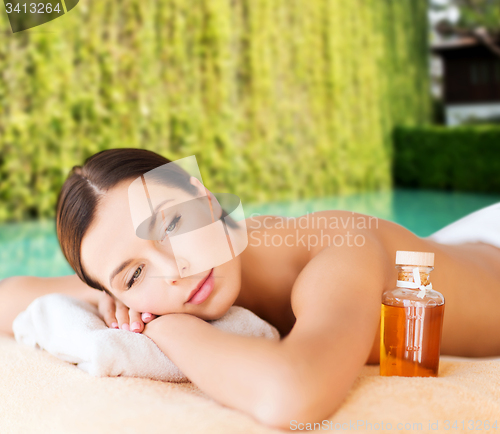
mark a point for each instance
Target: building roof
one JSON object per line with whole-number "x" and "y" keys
{"x": 465, "y": 46}
{"x": 455, "y": 44}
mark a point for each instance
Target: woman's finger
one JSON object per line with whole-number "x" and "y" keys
{"x": 136, "y": 324}
{"x": 146, "y": 317}
{"x": 106, "y": 307}
{"x": 122, "y": 315}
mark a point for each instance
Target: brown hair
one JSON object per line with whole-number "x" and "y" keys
{"x": 85, "y": 186}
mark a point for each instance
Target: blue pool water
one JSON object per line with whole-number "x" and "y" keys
{"x": 32, "y": 249}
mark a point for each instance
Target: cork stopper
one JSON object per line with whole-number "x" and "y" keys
{"x": 424, "y": 259}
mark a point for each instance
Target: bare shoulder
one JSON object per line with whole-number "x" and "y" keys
{"x": 336, "y": 302}
{"x": 267, "y": 221}
{"x": 337, "y": 277}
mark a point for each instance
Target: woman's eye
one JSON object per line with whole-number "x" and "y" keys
{"x": 171, "y": 227}
{"x": 134, "y": 277}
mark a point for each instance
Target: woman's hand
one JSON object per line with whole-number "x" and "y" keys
{"x": 156, "y": 328}
{"x": 117, "y": 315}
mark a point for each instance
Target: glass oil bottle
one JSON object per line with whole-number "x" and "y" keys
{"x": 411, "y": 320}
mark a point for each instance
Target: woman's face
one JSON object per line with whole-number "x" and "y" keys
{"x": 158, "y": 288}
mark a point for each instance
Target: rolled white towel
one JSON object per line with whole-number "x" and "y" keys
{"x": 482, "y": 225}
{"x": 72, "y": 330}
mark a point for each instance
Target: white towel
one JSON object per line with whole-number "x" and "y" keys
{"x": 479, "y": 226}
{"x": 73, "y": 331}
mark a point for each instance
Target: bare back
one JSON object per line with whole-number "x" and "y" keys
{"x": 468, "y": 275}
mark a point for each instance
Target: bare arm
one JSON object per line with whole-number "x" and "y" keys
{"x": 336, "y": 300}
{"x": 305, "y": 376}
{"x": 235, "y": 370}
{"x": 17, "y": 292}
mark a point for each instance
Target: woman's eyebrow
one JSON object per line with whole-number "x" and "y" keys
{"x": 118, "y": 270}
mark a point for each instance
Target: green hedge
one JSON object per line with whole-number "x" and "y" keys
{"x": 279, "y": 99}
{"x": 459, "y": 158}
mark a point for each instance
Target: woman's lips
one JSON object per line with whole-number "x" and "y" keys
{"x": 205, "y": 290}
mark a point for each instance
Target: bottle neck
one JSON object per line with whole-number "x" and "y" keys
{"x": 405, "y": 273}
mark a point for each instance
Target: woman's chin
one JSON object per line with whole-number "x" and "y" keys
{"x": 214, "y": 311}
{"x": 212, "y": 314}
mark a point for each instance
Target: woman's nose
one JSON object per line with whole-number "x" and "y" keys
{"x": 182, "y": 266}
{"x": 168, "y": 272}
{"x": 173, "y": 267}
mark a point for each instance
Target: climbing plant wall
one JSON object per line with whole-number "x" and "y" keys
{"x": 278, "y": 99}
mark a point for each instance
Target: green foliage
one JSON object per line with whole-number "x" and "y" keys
{"x": 475, "y": 13}
{"x": 278, "y": 99}
{"x": 460, "y": 158}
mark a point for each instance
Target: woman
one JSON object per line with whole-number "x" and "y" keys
{"x": 319, "y": 284}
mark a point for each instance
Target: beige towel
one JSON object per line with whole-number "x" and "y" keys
{"x": 41, "y": 394}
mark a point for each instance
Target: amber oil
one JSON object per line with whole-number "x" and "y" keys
{"x": 411, "y": 323}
